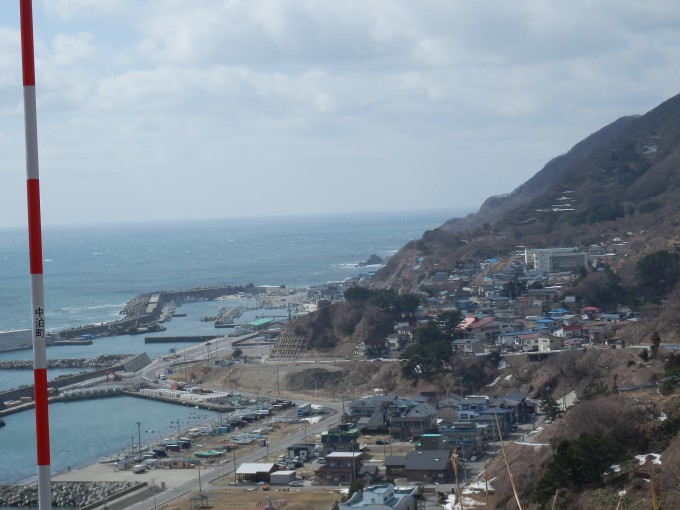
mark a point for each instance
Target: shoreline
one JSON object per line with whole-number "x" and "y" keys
{"x": 80, "y": 471}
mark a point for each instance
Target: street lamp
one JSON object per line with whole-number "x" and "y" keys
{"x": 139, "y": 439}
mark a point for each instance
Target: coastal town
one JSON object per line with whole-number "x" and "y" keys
{"x": 400, "y": 448}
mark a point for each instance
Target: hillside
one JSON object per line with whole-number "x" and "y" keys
{"x": 617, "y": 189}
{"x": 616, "y": 192}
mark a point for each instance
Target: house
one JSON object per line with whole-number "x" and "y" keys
{"x": 304, "y": 452}
{"x": 469, "y": 345}
{"x": 493, "y": 418}
{"x": 421, "y": 466}
{"x": 382, "y": 497}
{"x": 369, "y": 474}
{"x": 341, "y": 467}
{"x": 374, "y": 423}
{"x": 339, "y": 440}
{"x": 548, "y": 343}
{"x": 528, "y": 343}
{"x": 432, "y": 442}
{"x": 615, "y": 342}
{"x": 574, "y": 343}
{"x": 416, "y": 421}
{"x": 573, "y": 330}
{"x": 517, "y": 402}
{"x": 371, "y": 347}
{"x": 387, "y": 405}
{"x": 465, "y": 438}
{"x": 485, "y": 329}
{"x": 470, "y": 407}
{"x": 254, "y": 472}
{"x": 513, "y": 341}
{"x": 405, "y": 330}
{"x": 447, "y": 406}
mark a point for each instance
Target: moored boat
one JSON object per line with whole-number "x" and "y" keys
{"x": 209, "y": 454}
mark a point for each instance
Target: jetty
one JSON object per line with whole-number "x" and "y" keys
{"x": 179, "y": 339}
{"x": 226, "y": 316}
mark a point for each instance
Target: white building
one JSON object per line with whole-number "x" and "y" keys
{"x": 553, "y": 260}
{"x": 382, "y": 497}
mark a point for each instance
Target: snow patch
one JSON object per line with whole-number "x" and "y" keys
{"x": 642, "y": 459}
{"x": 508, "y": 377}
{"x": 525, "y": 443}
{"x": 452, "y": 504}
{"x": 478, "y": 486}
{"x": 494, "y": 381}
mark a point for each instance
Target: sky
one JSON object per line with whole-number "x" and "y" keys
{"x": 189, "y": 109}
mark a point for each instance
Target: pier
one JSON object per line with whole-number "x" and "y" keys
{"x": 226, "y": 316}
{"x": 179, "y": 339}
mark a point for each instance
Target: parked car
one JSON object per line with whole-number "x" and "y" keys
{"x": 382, "y": 441}
{"x": 321, "y": 460}
{"x": 296, "y": 483}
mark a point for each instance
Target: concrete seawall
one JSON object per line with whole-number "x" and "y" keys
{"x": 132, "y": 364}
{"x": 78, "y": 494}
{"x": 146, "y": 308}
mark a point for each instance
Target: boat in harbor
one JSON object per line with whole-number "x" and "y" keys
{"x": 208, "y": 454}
{"x": 109, "y": 459}
{"x": 2, "y": 422}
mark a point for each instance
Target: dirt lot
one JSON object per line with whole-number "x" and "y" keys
{"x": 315, "y": 381}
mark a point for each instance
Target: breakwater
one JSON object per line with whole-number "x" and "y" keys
{"x": 179, "y": 339}
{"x": 104, "y": 361}
{"x": 67, "y": 494}
{"x": 146, "y": 309}
{"x": 131, "y": 364}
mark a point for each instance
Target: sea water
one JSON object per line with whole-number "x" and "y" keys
{"x": 90, "y": 272}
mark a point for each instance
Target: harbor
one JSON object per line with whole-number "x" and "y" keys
{"x": 113, "y": 382}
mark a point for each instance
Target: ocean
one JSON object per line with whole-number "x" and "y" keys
{"x": 91, "y": 272}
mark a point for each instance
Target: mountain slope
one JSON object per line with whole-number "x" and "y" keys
{"x": 494, "y": 208}
{"x": 621, "y": 181}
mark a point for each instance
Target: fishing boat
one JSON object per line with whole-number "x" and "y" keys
{"x": 209, "y": 454}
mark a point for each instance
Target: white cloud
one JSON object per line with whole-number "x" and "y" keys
{"x": 72, "y": 49}
{"x": 326, "y": 100}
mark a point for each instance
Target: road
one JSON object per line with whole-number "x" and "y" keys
{"x": 210, "y": 474}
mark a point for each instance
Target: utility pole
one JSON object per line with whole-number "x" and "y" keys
{"x": 153, "y": 484}
{"x": 139, "y": 440}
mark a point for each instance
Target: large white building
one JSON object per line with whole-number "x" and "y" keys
{"x": 554, "y": 260}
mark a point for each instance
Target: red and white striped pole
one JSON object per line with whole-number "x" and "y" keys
{"x": 42, "y": 423}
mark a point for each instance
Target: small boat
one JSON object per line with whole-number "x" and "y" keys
{"x": 209, "y": 454}
{"x": 2, "y": 422}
